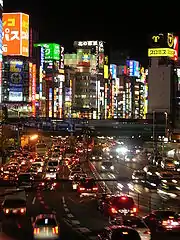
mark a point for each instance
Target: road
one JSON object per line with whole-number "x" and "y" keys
{"x": 78, "y": 219}
{"x": 145, "y": 199}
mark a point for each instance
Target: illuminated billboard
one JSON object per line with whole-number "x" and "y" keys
{"x": 16, "y": 81}
{"x": 34, "y": 90}
{"x": 113, "y": 70}
{"x": 161, "y": 40}
{"x": 176, "y": 48}
{"x": 106, "y": 72}
{"x": 160, "y": 52}
{"x": 52, "y": 50}
{"x": 83, "y": 57}
{"x": 133, "y": 68}
{"x": 16, "y": 34}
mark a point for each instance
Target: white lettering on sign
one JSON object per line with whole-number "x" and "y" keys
{"x": 1, "y": 3}
{"x": 87, "y": 43}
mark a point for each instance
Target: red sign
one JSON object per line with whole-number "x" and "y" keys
{"x": 176, "y": 48}
{"x": 34, "y": 90}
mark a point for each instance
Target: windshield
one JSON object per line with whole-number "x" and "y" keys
{"x": 46, "y": 222}
{"x": 24, "y": 177}
{"x": 125, "y": 234}
{"x": 165, "y": 214}
{"x": 14, "y": 203}
{"x": 53, "y": 164}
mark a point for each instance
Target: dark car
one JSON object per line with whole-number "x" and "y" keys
{"x": 163, "y": 221}
{"x": 119, "y": 233}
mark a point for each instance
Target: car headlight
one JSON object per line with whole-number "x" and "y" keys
{"x": 100, "y": 157}
{"x": 93, "y": 157}
{"x": 102, "y": 167}
{"x": 112, "y": 167}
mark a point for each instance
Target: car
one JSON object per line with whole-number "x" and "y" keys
{"x": 169, "y": 190}
{"x": 74, "y": 173}
{"x": 87, "y": 188}
{"x": 77, "y": 179}
{"x": 139, "y": 176}
{"x": 138, "y": 224}
{"x": 119, "y": 233}
{"x": 45, "y": 226}
{"x": 114, "y": 206}
{"x": 53, "y": 164}
{"x": 51, "y": 173}
{"x": 163, "y": 221}
{"x": 107, "y": 166}
{"x": 130, "y": 157}
{"x": 168, "y": 164}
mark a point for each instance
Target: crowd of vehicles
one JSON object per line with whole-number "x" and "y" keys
{"x": 37, "y": 170}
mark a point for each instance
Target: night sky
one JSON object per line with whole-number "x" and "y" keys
{"x": 120, "y": 25}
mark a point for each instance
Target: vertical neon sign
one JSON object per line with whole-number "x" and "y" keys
{"x": 41, "y": 72}
{"x": 30, "y": 80}
{"x": 1, "y": 30}
{"x": 105, "y": 100}
{"x": 34, "y": 90}
{"x": 50, "y": 102}
{"x": 60, "y": 98}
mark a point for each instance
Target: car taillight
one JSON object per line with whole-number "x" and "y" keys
{"x": 36, "y": 230}
{"x": 164, "y": 223}
{"x": 123, "y": 198}
{"x": 95, "y": 188}
{"x": 134, "y": 209}
{"x": 22, "y": 210}
{"x": 113, "y": 210}
{"x": 55, "y": 230}
{"x": 81, "y": 189}
{"x": 147, "y": 232}
{"x": 6, "y": 211}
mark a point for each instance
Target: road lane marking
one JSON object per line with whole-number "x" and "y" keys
{"x": 63, "y": 199}
{"x": 65, "y": 206}
{"x": 75, "y": 222}
{"x": 73, "y": 200}
{"x": 34, "y": 200}
{"x": 92, "y": 238}
{"x": 66, "y": 210}
{"x": 83, "y": 230}
{"x": 70, "y": 215}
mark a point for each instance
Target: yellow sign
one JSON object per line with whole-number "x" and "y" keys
{"x": 170, "y": 40}
{"x": 156, "y": 38}
{"x": 160, "y": 52}
{"x": 106, "y": 72}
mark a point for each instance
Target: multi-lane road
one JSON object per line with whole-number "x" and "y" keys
{"x": 78, "y": 218}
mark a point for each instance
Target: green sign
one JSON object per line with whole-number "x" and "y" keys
{"x": 52, "y": 50}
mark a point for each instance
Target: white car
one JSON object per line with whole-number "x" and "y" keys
{"x": 139, "y": 225}
{"x": 73, "y": 174}
{"x": 76, "y": 180}
{"x": 45, "y": 226}
{"x": 51, "y": 173}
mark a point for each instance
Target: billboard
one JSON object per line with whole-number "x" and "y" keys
{"x": 34, "y": 90}
{"x": 160, "y": 52}
{"x": 176, "y": 48}
{"x": 62, "y": 58}
{"x": 51, "y": 52}
{"x": 113, "y": 70}
{"x": 16, "y": 81}
{"x": 106, "y": 72}
{"x": 133, "y": 68}
{"x": 161, "y": 40}
{"x": 16, "y": 34}
{"x": 83, "y": 57}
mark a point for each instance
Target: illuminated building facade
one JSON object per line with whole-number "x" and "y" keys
{"x": 15, "y": 67}
{"x": 50, "y": 72}
{"x": 127, "y": 91}
{"x": 1, "y": 60}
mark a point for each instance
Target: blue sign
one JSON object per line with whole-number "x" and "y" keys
{"x": 133, "y": 68}
{"x": 16, "y": 81}
{"x": 1, "y": 30}
{"x": 113, "y": 70}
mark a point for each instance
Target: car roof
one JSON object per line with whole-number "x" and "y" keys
{"x": 42, "y": 216}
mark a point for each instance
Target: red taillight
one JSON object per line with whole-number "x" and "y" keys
{"x": 113, "y": 210}
{"x": 134, "y": 209}
{"x": 123, "y": 198}
{"x": 36, "y": 230}
{"x": 55, "y": 230}
{"x": 147, "y": 232}
{"x": 22, "y": 210}
{"x": 95, "y": 188}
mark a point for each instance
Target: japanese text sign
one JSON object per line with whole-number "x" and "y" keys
{"x": 16, "y": 34}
